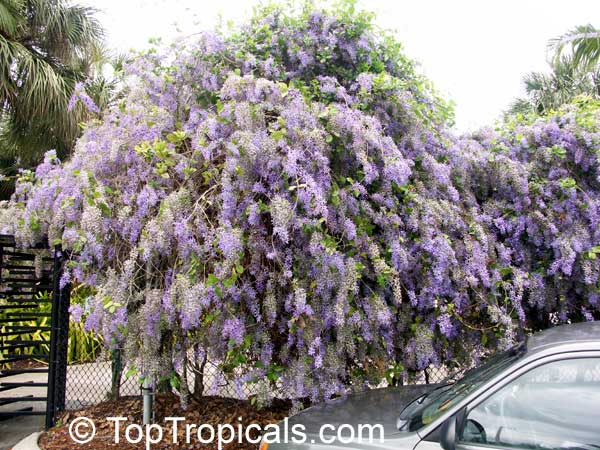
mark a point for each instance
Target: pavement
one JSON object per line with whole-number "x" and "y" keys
{"x": 29, "y": 443}
{"x": 87, "y": 384}
{"x": 14, "y": 430}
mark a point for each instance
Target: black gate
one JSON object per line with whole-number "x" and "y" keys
{"x": 34, "y": 325}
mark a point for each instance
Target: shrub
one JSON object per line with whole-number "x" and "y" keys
{"x": 289, "y": 201}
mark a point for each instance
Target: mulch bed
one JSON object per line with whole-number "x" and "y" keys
{"x": 209, "y": 410}
{"x": 26, "y": 364}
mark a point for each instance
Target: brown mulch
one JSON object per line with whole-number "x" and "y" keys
{"x": 209, "y": 410}
{"x": 26, "y": 364}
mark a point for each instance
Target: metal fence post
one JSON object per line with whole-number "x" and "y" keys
{"x": 51, "y": 398}
{"x": 59, "y": 341}
{"x": 62, "y": 347}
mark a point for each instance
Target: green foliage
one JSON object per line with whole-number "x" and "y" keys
{"x": 84, "y": 346}
{"x": 583, "y": 43}
{"x": 574, "y": 72}
{"x": 46, "y": 47}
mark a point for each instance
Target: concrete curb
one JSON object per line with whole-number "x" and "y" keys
{"x": 29, "y": 443}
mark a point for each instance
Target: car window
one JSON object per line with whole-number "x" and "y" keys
{"x": 431, "y": 406}
{"x": 554, "y": 406}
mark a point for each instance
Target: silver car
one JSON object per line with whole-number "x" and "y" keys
{"x": 543, "y": 394}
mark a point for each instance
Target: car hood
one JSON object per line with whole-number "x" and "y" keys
{"x": 374, "y": 407}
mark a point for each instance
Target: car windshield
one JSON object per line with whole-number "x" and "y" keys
{"x": 432, "y": 405}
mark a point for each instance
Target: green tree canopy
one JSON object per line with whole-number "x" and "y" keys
{"x": 46, "y": 47}
{"x": 574, "y": 72}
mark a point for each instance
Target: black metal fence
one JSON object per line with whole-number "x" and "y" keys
{"x": 32, "y": 326}
{"x": 59, "y": 338}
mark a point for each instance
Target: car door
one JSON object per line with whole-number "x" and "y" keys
{"x": 551, "y": 404}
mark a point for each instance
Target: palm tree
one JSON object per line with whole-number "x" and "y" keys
{"x": 575, "y": 71}
{"x": 583, "y": 43}
{"x": 548, "y": 91}
{"x": 46, "y": 46}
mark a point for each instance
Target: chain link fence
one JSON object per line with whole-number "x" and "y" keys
{"x": 92, "y": 383}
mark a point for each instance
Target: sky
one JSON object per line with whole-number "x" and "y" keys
{"x": 476, "y": 52}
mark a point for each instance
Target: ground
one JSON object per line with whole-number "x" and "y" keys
{"x": 14, "y": 430}
{"x": 209, "y": 410}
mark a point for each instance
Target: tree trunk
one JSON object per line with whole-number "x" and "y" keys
{"x": 199, "y": 377}
{"x": 117, "y": 372}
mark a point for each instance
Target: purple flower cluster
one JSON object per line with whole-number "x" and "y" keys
{"x": 79, "y": 94}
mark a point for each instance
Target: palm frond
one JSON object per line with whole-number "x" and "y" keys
{"x": 584, "y": 44}
{"x": 10, "y": 18}
{"x": 46, "y": 46}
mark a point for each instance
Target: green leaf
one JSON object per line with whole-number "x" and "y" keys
{"x": 559, "y": 152}
{"x": 335, "y": 197}
{"x": 484, "y": 339}
{"x": 133, "y": 370}
{"x": 174, "y": 381}
{"x": 229, "y": 282}
{"x": 176, "y": 137}
{"x": 210, "y": 318}
{"x": 567, "y": 183}
{"x": 239, "y": 268}
{"x": 106, "y": 211}
{"x": 212, "y": 280}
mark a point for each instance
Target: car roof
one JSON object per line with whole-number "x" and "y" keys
{"x": 582, "y": 333}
